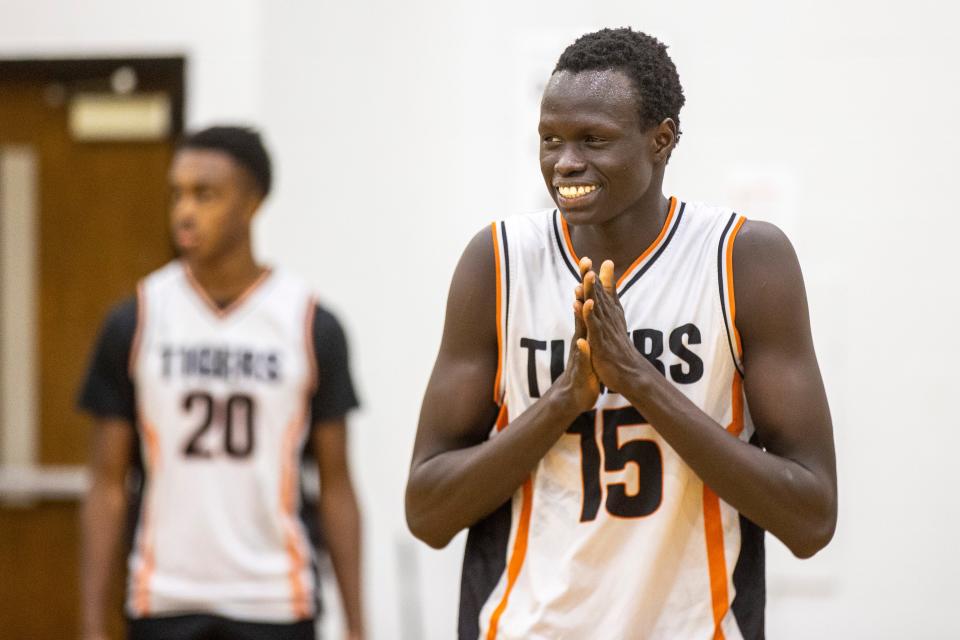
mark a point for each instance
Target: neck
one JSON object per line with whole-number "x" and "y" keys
{"x": 626, "y": 236}
{"x": 226, "y": 277}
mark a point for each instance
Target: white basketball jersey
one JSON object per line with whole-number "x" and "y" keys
{"x": 613, "y": 535}
{"x": 222, "y": 401}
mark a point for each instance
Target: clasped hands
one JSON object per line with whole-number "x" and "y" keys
{"x": 604, "y": 354}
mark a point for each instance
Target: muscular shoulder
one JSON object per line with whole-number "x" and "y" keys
{"x": 770, "y": 294}
{"x": 478, "y": 256}
{"x": 471, "y": 301}
{"x": 474, "y": 280}
{"x": 763, "y": 243}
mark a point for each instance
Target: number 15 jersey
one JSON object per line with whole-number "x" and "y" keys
{"x": 224, "y": 403}
{"x": 613, "y": 535}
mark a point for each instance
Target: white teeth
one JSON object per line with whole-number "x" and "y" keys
{"x": 577, "y": 191}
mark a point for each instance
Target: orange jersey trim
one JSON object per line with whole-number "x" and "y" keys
{"x": 730, "y": 292}
{"x": 736, "y": 400}
{"x": 141, "y": 581}
{"x": 713, "y": 524}
{"x": 569, "y": 242}
{"x": 517, "y": 557}
{"x": 496, "y": 258}
{"x": 233, "y": 306}
{"x": 301, "y": 606}
{"x": 501, "y": 421}
{"x": 519, "y": 552}
{"x": 290, "y": 475}
{"x": 654, "y": 245}
{"x": 716, "y": 560}
{"x": 643, "y": 256}
{"x": 141, "y": 591}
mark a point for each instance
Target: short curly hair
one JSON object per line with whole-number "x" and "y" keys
{"x": 243, "y": 144}
{"x": 642, "y": 58}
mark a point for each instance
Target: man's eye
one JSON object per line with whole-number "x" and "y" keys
{"x": 594, "y": 140}
{"x": 551, "y": 140}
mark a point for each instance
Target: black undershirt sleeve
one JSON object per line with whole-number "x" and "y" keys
{"x": 107, "y": 390}
{"x": 335, "y": 395}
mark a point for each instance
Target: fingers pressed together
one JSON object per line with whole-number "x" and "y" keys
{"x": 587, "y": 296}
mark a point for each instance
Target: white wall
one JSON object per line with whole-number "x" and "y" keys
{"x": 399, "y": 131}
{"x": 222, "y": 38}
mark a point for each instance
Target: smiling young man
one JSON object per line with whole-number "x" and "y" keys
{"x": 217, "y": 376}
{"x": 618, "y": 460}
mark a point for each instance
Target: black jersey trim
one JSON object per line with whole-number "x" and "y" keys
{"x": 563, "y": 252}
{"x": 723, "y": 294}
{"x": 749, "y": 577}
{"x": 663, "y": 247}
{"x": 749, "y": 581}
{"x": 484, "y": 563}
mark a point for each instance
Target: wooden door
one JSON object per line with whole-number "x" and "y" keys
{"x": 101, "y": 224}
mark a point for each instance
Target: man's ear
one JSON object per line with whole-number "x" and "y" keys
{"x": 253, "y": 203}
{"x": 664, "y": 139}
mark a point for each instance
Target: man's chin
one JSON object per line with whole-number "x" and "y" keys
{"x": 189, "y": 253}
{"x": 578, "y": 217}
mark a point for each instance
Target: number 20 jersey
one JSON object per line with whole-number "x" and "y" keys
{"x": 222, "y": 404}
{"x": 613, "y": 535}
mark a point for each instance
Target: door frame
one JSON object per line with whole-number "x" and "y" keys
{"x": 93, "y": 74}
{"x": 27, "y": 482}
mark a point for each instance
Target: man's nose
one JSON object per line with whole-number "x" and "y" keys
{"x": 183, "y": 210}
{"x": 569, "y": 161}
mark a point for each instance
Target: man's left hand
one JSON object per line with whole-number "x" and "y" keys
{"x": 614, "y": 357}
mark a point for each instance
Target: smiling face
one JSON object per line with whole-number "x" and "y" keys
{"x": 597, "y": 160}
{"x": 212, "y": 203}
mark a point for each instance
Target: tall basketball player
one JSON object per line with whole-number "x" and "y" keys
{"x": 626, "y": 395}
{"x": 215, "y": 377}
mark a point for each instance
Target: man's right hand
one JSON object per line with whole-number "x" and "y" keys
{"x": 579, "y": 381}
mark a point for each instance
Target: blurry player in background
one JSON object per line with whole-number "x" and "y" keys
{"x": 617, "y": 462}
{"x": 215, "y": 378}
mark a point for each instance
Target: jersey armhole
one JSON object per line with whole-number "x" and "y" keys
{"x": 728, "y": 303}
{"x": 501, "y": 256}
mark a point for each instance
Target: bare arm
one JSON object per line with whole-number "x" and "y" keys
{"x": 340, "y": 518}
{"x": 103, "y": 519}
{"x": 457, "y": 475}
{"x": 788, "y": 489}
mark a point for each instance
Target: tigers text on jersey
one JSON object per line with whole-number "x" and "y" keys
{"x": 222, "y": 405}
{"x": 613, "y": 536}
